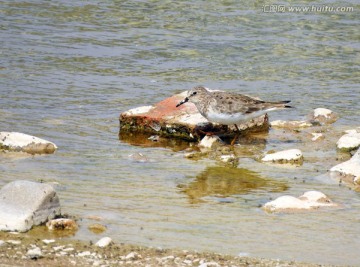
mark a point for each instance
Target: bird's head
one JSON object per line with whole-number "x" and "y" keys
{"x": 194, "y": 95}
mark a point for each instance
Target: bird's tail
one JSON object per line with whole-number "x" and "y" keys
{"x": 280, "y": 104}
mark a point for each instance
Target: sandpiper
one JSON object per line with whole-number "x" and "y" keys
{"x": 229, "y": 108}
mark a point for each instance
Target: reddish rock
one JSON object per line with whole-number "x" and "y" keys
{"x": 165, "y": 119}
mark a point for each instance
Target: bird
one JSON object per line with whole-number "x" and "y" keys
{"x": 229, "y": 108}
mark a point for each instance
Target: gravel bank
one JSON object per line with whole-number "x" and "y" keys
{"x": 22, "y": 250}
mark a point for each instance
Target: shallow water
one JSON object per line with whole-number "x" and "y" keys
{"x": 69, "y": 69}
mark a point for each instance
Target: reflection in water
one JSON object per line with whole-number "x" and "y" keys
{"x": 224, "y": 182}
{"x": 142, "y": 139}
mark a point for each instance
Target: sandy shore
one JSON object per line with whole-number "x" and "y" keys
{"x": 20, "y": 250}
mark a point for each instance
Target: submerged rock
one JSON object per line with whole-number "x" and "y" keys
{"x": 317, "y": 137}
{"x": 14, "y": 141}
{"x": 348, "y": 171}
{"x": 286, "y": 156}
{"x": 308, "y": 201}
{"x": 97, "y": 228}
{"x": 324, "y": 115}
{"x": 165, "y": 119}
{"x": 290, "y": 124}
{"x": 350, "y": 140}
{"x": 24, "y": 204}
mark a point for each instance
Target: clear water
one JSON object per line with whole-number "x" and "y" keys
{"x": 69, "y": 68}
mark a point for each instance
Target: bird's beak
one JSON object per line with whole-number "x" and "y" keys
{"x": 182, "y": 102}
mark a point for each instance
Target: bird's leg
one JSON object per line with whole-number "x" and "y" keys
{"x": 236, "y": 135}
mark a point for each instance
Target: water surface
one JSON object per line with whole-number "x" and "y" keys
{"x": 68, "y": 69}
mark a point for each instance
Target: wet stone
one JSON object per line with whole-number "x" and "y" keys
{"x": 308, "y": 201}
{"x": 285, "y": 156}
{"x": 350, "y": 140}
{"x": 348, "y": 171}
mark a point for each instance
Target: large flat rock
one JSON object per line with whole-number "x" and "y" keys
{"x": 24, "y": 204}
{"x": 185, "y": 122}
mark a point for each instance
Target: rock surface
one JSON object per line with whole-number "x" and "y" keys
{"x": 350, "y": 140}
{"x": 165, "y": 119}
{"x": 24, "y": 204}
{"x": 349, "y": 171}
{"x": 308, "y": 201}
{"x": 285, "y": 156}
{"x": 14, "y": 141}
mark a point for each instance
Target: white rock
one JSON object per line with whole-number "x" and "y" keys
{"x": 2, "y": 242}
{"x": 34, "y": 253}
{"x": 350, "y": 167}
{"x": 290, "y": 124}
{"x": 349, "y": 141}
{"x": 210, "y": 141}
{"x": 285, "y": 156}
{"x": 322, "y": 112}
{"x": 324, "y": 115}
{"x": 104, "y": 242}
{"x": 14, "y": 141}
{"x": 24, "y": 204}
{"x": 309, "y": 200}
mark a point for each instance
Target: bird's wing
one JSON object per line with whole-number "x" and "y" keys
{"x": 238, "y": 103}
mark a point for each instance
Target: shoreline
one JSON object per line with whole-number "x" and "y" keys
{"x": 25, "y": 250}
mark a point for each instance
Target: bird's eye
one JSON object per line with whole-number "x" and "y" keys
{"x": 194, "y": 93}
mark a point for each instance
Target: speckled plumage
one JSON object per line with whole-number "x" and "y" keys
{"x": 229, "y": 108}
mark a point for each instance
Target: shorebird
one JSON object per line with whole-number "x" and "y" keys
{"x": 229, "y": 108}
